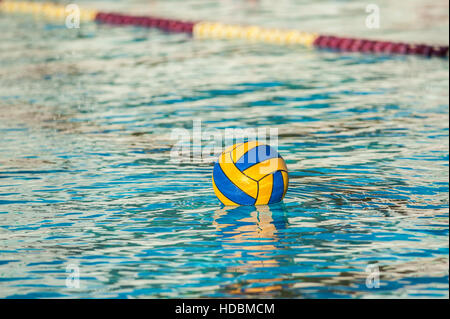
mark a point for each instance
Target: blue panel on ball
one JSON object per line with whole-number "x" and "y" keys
{"x": 256, "y": 155}
{"x": 228, "y": 189}
{"x": 278, "y": 188}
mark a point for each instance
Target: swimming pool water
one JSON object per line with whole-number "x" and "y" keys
{"x": 86, "y": 177}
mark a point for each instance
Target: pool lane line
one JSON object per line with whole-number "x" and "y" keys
{"x": 377, "y": 47}
{"x": 276, "y": 36}
{"x": 47, "y": 10}
{"x": 214, "y": 30}
{"x": 169, "y": 25}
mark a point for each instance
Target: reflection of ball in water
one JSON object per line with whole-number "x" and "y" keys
{"x": 250, "y": 173}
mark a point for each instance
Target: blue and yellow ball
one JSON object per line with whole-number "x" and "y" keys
{"x": 250, "y": 173}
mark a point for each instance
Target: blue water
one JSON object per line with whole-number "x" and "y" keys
{"x": 87, "y": 181}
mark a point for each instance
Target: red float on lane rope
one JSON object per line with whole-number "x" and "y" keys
{"x": 371, "y": 46}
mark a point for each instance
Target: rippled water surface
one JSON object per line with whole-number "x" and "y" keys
{"x": 86, "y": 178}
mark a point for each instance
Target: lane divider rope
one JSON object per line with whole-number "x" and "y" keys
{"x": 48, "y": 10}
{"x": 214, "y": 30}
